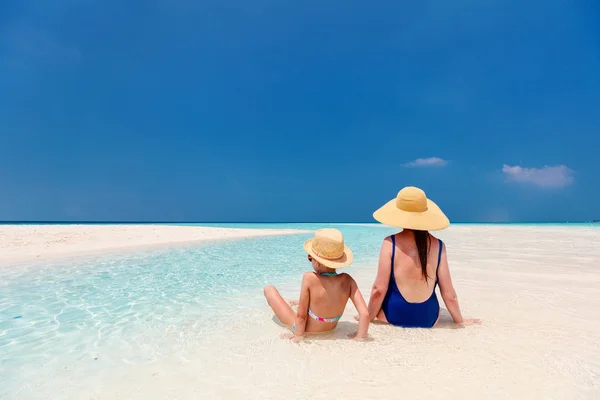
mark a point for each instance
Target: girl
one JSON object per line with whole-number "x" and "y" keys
{"x": 324, "y": 293}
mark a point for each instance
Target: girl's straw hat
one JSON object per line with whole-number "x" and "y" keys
{"x": 327, "y": 247}
{"x": 411, "y": 209}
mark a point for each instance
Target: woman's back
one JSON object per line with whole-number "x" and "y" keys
{"x": 410, "y": 299}
{"x": 415, "y": 288}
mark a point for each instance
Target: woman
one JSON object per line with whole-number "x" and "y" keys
{"x": 411, "y": 264}
{"x": 324, "y": 292}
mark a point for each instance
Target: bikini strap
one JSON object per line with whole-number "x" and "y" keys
{"x": 441, "y": 244}
{"x": 328, "y": 273}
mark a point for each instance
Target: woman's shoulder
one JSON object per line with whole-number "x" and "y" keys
{"x": 435, "y": 239}
{"x": 441, "y": 246}
{"x": 388, "y": 240}
{"x": 387, "y": 244}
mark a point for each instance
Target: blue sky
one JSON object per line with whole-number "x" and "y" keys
{"x": 228, "y": 110}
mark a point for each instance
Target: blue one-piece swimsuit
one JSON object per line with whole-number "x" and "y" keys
{"x": 400, "y": 312}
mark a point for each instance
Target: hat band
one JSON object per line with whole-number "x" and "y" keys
{"x": 326, "y": 257}
{"x": 411, "y": 206}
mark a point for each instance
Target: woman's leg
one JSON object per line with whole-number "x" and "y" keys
{"x": 437, "y": 321}
{"x": 280, "y": 307}
{"x": 381, "y": 316}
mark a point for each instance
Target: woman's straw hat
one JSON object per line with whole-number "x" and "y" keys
{"x": 411, "y": 209}
{"x": 327, "y": 247}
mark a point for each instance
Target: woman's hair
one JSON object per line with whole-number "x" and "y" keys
{"x": 423, "y": 241}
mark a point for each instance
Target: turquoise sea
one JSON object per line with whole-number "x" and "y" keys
{"x": 135, "y": 308}
{"x": 115, "y": 309}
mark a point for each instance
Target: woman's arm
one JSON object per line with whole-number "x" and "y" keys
{"x": 361, "y": 307}
{"x": 447, "y": 289}
{"x": 382, "y": 280}
{"x": 449, "y": 294}
{"x": 302, "y": 313}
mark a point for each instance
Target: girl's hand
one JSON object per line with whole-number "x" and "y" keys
{"x": 354, "y": 336}
{"x": 296, "y": 339}
{"x": 291, "y": 336}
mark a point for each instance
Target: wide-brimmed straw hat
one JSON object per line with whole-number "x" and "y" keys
{"x": 328, "y": 248}
{"x": 411, "y": 209}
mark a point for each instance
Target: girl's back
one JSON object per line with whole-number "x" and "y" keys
{"x": 328, "y": 296}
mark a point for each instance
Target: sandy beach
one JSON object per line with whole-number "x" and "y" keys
{"x": 21, "y": 243}
{"x": 537, "y": 290}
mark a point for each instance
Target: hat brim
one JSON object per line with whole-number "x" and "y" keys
{"x": 342, "y": 262}
{"x": 431, "y": 220}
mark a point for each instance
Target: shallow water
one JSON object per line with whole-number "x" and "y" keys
{"x": 190, "y": 321}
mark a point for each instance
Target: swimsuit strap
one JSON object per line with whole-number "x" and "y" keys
{"x": 314, "y": 316}
{"x": 439, "y": 260}
{"x": 393, "y": 252}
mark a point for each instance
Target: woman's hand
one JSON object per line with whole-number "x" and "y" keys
{"x": 470, "y": 321}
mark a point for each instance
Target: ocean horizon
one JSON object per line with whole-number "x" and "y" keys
{"x": 195, "y": 223}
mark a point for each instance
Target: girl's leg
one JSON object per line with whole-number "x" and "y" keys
{"x": 280, "y": 307}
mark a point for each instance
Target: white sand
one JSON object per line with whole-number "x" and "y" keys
{"x": 537, "y": 291}
{"x": 39, "y": 242}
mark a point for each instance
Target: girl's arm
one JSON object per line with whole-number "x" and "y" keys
{"x": 302, "y": 313}
{"x": 382, "y": 280}
{"x": 363, "y": 311}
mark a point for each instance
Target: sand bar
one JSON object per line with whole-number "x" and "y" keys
{"x": 20, "y": 243}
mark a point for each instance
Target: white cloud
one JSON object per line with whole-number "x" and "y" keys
{"x": 427, "y": 162}
{"x": 549, "y": 177}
